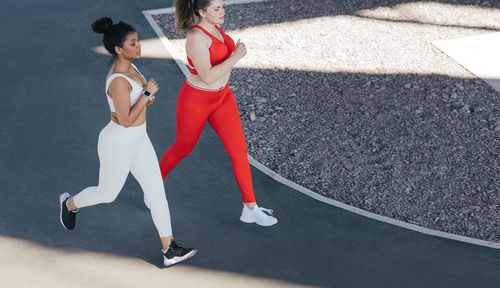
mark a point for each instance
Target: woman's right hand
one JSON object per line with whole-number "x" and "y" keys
{"x": 240, "y": 50}
{"x": 152, "y": 87}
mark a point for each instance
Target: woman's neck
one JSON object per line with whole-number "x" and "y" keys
{"x": 123, "y": 65}
{"x": 209, "y": 26}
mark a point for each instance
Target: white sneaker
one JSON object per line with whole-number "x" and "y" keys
{"x": 258, "y": 216}
{"x": 146, "y": 203}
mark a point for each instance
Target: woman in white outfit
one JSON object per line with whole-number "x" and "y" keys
{"x": 124, "y": 145}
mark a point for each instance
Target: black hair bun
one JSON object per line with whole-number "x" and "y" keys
{"x": 102, "y": 25}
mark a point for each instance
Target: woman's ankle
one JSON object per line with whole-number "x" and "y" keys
{"x": 251, "y": 206}
{"x": 166, "y": 241}
{"x": 71, "y": 205}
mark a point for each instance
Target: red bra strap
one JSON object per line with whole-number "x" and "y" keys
{"x": 203, "y": 29}
{"x": 210, "y": 35}
{"x": 220, "y": 30}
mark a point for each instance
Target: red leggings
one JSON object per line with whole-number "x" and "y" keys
{"x": 196, "y": 106}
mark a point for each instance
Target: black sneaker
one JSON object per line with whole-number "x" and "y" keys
{"x": 176, "y": 254}
{"x": 66, "y": 216}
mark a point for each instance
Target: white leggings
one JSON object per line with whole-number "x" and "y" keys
{"x": 122, "y": 150}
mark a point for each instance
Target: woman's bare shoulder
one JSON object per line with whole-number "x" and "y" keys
{"x": 118, "y": 83}
{"x": 197, "y": 35}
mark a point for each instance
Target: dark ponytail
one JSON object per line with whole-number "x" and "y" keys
{"x": 114, "y": 35}
{"x": 185, "y": 12}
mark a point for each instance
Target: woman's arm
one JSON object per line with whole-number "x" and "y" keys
{"x": 197, "y": 45}
{"x": 119, "y": 91}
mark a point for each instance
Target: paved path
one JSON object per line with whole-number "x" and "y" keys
{"x": 53, "y": 108}
{"x": 478, "y": 54}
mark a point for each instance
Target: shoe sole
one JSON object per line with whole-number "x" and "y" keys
{"x": 244, "y": 220}
{"x": 62, "y": 197}
{"x": 175, "y": 260}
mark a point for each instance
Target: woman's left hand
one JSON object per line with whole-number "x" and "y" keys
{"x": 150, "y": 102}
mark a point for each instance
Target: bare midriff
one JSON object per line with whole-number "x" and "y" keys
{"x": 138, "y": 122}
{"x": 219, "y": 83}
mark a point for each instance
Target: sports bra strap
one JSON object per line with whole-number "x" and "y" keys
{"x": 137, "y": 70}
{"x": 210, "y": 35}
{"x": 202, "y": 29}
{"x": 220, "y": 30}
{"x": 115, "y": 75}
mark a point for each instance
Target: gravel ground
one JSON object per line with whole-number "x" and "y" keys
{"x": 351, "y": 100}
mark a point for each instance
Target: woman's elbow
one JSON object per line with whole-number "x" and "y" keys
{"x": 124, "y": 123}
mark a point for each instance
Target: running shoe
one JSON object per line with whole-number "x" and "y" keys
{"x": 258, "y": 216}
{"x": 176, "y": 254}
{"x": 66, "y": 216}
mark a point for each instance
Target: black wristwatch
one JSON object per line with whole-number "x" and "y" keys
{"x": 147, "y": 94}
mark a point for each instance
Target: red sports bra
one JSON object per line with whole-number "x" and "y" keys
{"x": 219, "y": 51}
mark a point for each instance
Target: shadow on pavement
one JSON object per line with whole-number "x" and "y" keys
{"x": 49, "y": 137}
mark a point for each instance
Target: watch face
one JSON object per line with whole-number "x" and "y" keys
{"x": 147, "y": 93}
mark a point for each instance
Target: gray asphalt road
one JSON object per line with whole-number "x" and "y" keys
{"x": 53, "y": 107}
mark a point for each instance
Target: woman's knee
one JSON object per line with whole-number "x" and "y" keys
{"x": 182, "y": 150}
{"x": 159, "y": 205}
{"x": 239, "y": 156}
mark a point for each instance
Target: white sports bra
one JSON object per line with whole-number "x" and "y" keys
{"x": 135, "y": 94}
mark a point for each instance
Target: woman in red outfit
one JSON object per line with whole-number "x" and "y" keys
{"x": 206, "y": 96}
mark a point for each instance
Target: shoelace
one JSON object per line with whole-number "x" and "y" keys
{"x": 173, "y": 246}
{"x": 270, "y": 211}
{"x": 177, "y": 245}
